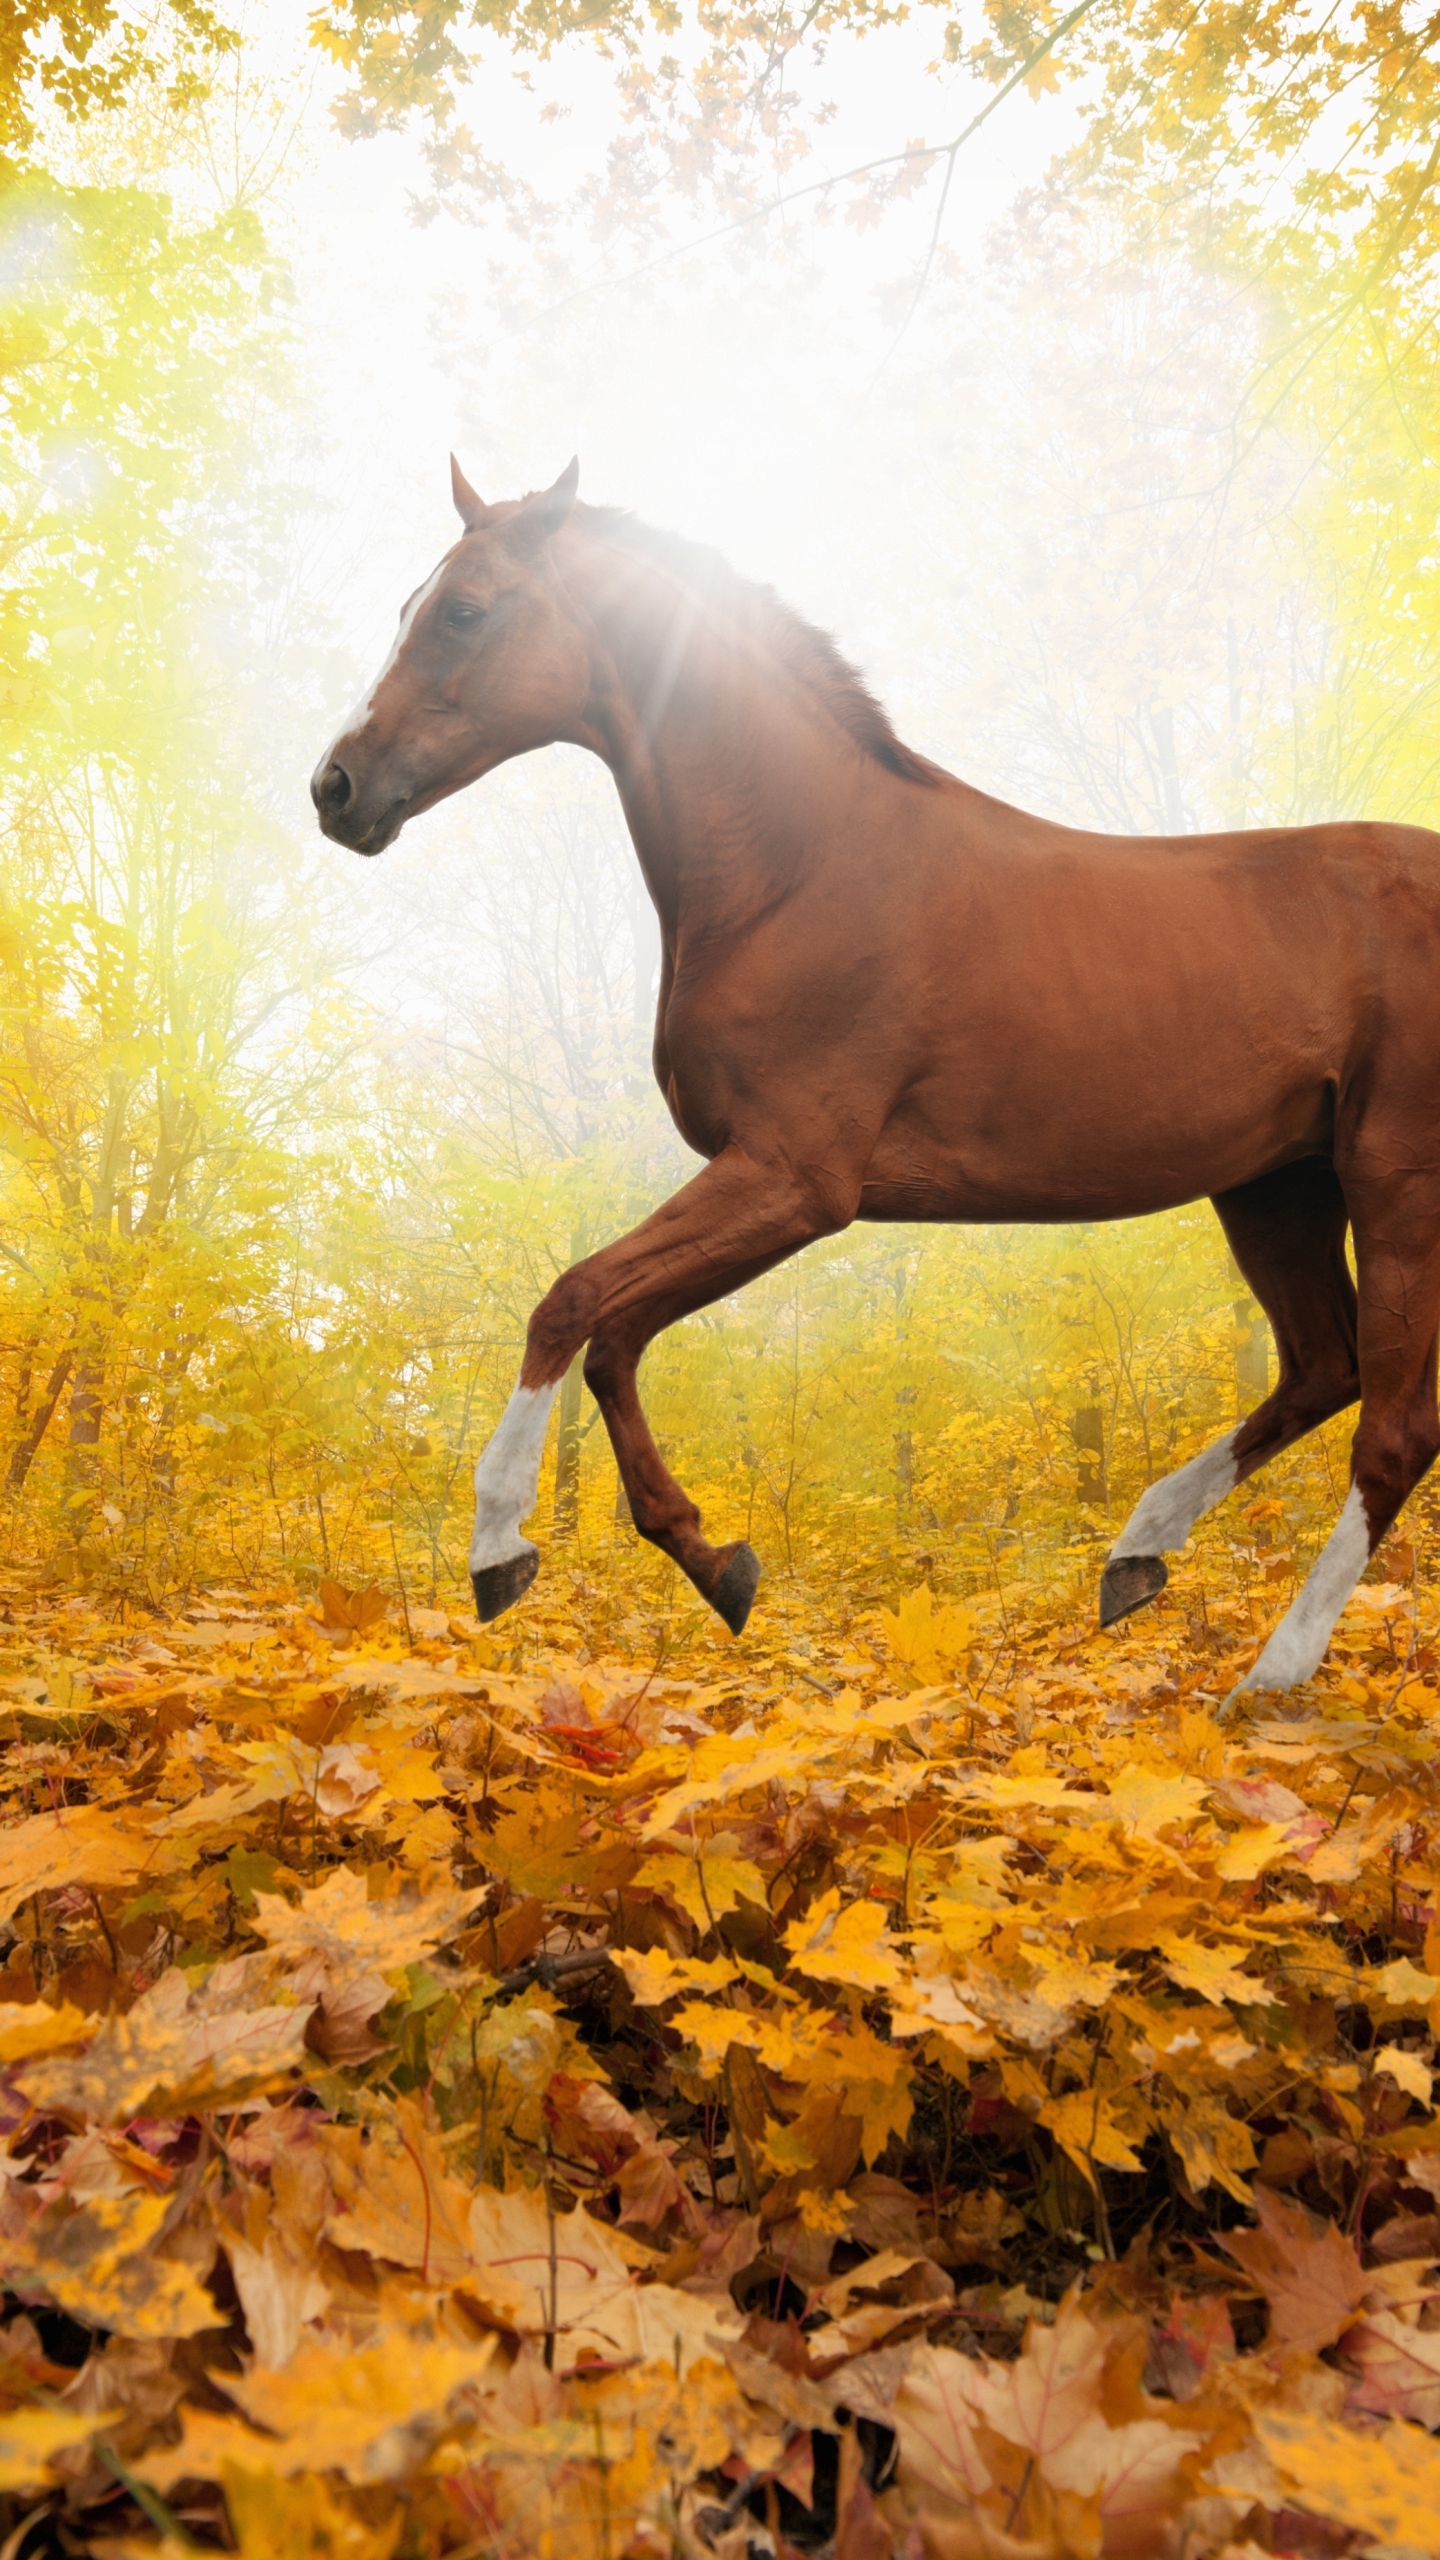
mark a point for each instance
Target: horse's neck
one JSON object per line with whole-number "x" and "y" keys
{"x": 732, "y": 780}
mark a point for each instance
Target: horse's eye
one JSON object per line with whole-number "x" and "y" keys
{"x": 463, "y": 617}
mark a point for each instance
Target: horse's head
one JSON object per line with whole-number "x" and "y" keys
{"x": 489, "y": 661}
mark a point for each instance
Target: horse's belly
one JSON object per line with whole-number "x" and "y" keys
{"x": 1039, "y": 1158}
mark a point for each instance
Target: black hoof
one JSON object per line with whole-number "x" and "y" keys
{"x": 1127, "y": 1583}
{"x": 735, "y": 1591}
{"x": 497, "y": 1587}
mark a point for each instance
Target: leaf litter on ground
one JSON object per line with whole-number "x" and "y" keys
{"x": 463, "y": 2096}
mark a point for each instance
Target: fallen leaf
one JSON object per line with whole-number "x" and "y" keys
{"x": 1386, "y": 2487}
{"x": 182, "y": 2046}
{"x": 1313, "y": 2281}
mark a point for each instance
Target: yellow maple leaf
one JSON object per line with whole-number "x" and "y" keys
{"x": 339, "y": 1922}
{"x": 1213, "y": 2146}
{"x": 877, "y": 2080}
{"x": 1402, "y": 1985}
{"x": 99, "y": 2263}
{"x": 367, "y": 2412}
{"x": 704, "y": 1887}
{"x": 30, "y": 2437}
{"x": 300, "y": 2519}
{"x": 1386, "y": 2487}
{"x": 28, "y": 2027}
{"x": 839, "y": 1941}
{"x": 788, "y": 2044}
{"x": 1210, "y": 1971}
{"x": 76, "y": 1844}
{"x": 1087, "y": 2126}
{"x": 1147, "y": 1803}
{"x": 1042, "y": 76}
{"x": 538, "y": 1850}
{"x": 656, "y": 1976}
{"x": 1406, "y": 2070}
{"x": 1250, "y": 1850}
{"x": 183, "y": 2046}
{"x": 209, "y": 2443}
{"x": 927, "y": 1639}
{"x": 395, "y": 2198}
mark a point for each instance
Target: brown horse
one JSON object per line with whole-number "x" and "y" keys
{"x": 885, "y": 995}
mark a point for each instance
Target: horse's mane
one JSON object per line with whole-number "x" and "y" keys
{"x": 810, "y": 655}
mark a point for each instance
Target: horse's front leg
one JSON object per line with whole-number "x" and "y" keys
{"x": 736, "y": 1219}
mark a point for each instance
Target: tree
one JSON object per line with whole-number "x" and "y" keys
{"x": 1212, "y": 100}
{"x": 83, "y": 57}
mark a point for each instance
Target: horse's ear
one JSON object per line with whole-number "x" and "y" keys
{"x": 544, "y": 512}
{"x": 468, "y": 506}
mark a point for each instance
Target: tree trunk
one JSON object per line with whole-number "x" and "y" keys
{"x": 22, "y": 1455}
{"x": 173, "y": 1366}
{"x": 1252, "y": 1344}
{"x": 566, "y": 1515}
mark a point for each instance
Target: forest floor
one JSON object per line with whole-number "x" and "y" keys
{"x": 933, "y": 2090}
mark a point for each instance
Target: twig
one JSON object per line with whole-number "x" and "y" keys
{"x": 842, "y": 177}
{"x": 548, "y": 1970}
{"x": 94, "y": 1899}
{"x": 151, "y": 2506}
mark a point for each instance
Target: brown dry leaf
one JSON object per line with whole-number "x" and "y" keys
{"x": 1399, "y": 2368}
{"x": 183, "y": 2046}
{"x": 538, "y": 2271}
{"x": 276, "y": 2276}
{"x": 1313, "y": 2281}
{"x": 353, "y": 1611}
{"x": 1051, "y": 2404}
{"x": 941, "y": 2460}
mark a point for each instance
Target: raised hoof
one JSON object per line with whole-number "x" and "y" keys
{"x": 734, "y": 1593}
{"x": 1127, "y": 1583}
{"x": 497, "y": 1587}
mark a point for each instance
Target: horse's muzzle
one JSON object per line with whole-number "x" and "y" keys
{"x": 331, "y": 789}
{"x": 344, "y": 820}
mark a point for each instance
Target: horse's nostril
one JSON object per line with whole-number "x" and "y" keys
{"x": 332, "y": 791}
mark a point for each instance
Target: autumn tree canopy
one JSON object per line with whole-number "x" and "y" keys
{"x": 1325, "y": 119}
{"x": 84, "y": 56}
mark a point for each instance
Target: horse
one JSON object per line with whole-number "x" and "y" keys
{"x": 884, "y": 994}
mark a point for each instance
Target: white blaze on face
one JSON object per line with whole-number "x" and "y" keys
{"x": 1297, "y": 1648}
{"x": 508, "y": 1477}
{"x": 356, "y": 718}
{"x": 1167, "y": 1512}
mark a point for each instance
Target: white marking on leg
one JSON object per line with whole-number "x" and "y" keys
{"x": 508, "y": 1477}
{"x": 356, "y": 718}
{"x": 1297, "y": 1647}
{"x": 1167, "y": 1512}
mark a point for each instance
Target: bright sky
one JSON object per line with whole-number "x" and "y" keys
{"x": 734, "y": 401}
{"x": 734, "y": 425}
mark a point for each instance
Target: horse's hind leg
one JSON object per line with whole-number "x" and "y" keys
{"x": 1397, "y": 1255}
{"x": 1287, "y": 1233}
